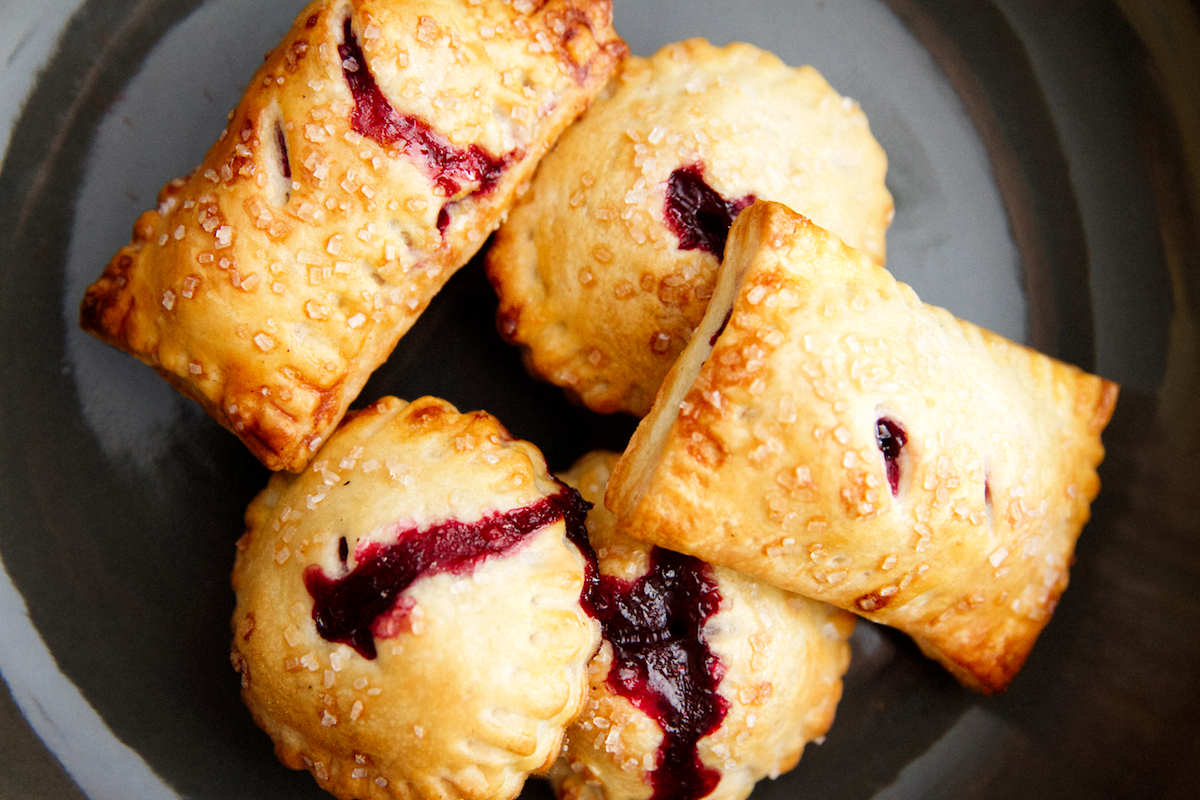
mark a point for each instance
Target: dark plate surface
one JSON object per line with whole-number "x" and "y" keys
{"x": 1045, "y": 161}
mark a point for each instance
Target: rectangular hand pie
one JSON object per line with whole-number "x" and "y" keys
{"x": 827, "y": 432}
{"x": 371, "y": 155}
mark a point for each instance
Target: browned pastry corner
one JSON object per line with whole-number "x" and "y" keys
{"x": 751, "y": 673}
{"x": 606, "y": 265}
{"x": 827, "y": 432}
{"x": 371, "y": 155}
{"x": 408, "y": 620}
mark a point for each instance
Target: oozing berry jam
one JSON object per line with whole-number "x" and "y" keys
{"x": 374, "y": 117}
{"x": 697, "y": 214}
{"x": 891, "y": 438}
{"x": 662, "y": 664}
{"x": 354, "y": 608}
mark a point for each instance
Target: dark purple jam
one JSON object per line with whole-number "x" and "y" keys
{"x": 891, "y": 438}
{"x": 358, "y": 606}
{"x": 662, "y": 664}
{"x": 374, "y": 117}
{"x": 697, "y": 214}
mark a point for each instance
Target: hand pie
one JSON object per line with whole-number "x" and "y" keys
{"x": 606, "y": 265}
{"x": 371, "y": 155}
{"x": 408, "y": 620}
{"x": 761, "y": 677}
{"x": 830, "y": 434}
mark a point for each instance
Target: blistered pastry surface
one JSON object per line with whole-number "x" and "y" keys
{"x": 473, "y": 685}
{"x": 781, "y": 660}
{"x": 270, "y": 282}
{"x": 764, "y": 452}
{"x": 595, "y": 284}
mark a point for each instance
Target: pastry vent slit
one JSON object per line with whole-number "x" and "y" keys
{"x": 891, "y": 437}
{"x": 989, "y": 509}
{"x": 279, "y": 169}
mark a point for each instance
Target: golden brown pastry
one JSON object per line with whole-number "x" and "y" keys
{"x": 408, "y": 620}
{"x": 371, "y": 155}
{"x": 761, "y": 672}
{"x": 828, "y": 433}
{"x": 606, "y": 265}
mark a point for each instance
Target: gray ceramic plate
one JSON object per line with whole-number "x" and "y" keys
{"x": 1045, "y": 160}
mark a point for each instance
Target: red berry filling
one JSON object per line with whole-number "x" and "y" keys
{"x": 697, "y": 214}
{"x": 374, "y": 117}
{"x": 662, "y": 664}
{"x": 891, "y": 438}
{"x": 366, "y": 602}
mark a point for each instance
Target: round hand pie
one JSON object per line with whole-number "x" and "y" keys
{"x": 606, "y": 265}
{"x": 707, "y": 679}
{"x": 408, "y": 618}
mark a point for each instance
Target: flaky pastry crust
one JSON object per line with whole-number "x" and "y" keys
{"x": 597, "y": 284}
{"x": 476, "y": 668}
{"x": 829, "y": 433}
{"x": 781, "y": 656}
{"x": 370, "y": 157}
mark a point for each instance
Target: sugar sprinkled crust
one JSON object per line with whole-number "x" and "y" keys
{"x": 827, "y": 432}
{"x": 781, "y": 659}
{"x": 370, "y": 157}
{"x": 595, "y": 283}
{"x": 477, "y": 671}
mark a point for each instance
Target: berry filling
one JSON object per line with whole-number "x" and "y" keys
{"x": 891, "y": 438}
{"x": 366, "y": 602}
{"x": 697, "y": 214}
{"x": 374, "y": 117}
{"x": 662, "y": 664}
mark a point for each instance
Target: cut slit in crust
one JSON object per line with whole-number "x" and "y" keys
{"x": 761, "y": 451}
{"x": 279, "y": 179}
